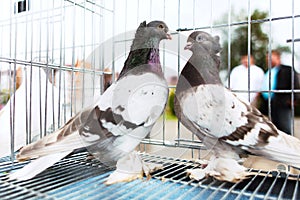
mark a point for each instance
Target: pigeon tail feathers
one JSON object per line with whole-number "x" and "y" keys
{"x": 50, "y": 144}
{"x": 283, "y": 148}
{"x": 37, "y": 166}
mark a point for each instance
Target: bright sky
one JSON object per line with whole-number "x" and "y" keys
{"x": 94, "y": 29}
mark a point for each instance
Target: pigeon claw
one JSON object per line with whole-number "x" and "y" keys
{"x": 222, "y": 169}
{"x": 132, "y": 167}
{"x": 196, "y": 174}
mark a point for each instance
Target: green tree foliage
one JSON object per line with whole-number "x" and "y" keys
{"x": 239, "y": 40}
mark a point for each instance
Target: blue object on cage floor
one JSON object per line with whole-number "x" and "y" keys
{"x": 4, "y": 159}
{"x": 94, "y": 188}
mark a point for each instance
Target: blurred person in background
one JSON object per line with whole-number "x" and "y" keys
{"x": 239, "y": 79}
{"x": 281, "y": 103}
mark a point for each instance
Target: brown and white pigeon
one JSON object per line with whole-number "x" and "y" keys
{"x": 227, "y": 125}
{"x": 125, "y": 113}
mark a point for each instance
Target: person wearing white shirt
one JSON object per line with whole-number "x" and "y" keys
{"x": 239, "y": 79}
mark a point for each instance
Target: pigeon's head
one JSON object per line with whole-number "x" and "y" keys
{"x": 158, "y": 29}
{"x": 200, "y": 40}
{"x": 149, "y": 35}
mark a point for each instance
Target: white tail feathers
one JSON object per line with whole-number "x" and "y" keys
{"x": 283, "y": 148}
{"x": 51, "y": 145}
{"x": 37, "y": 166}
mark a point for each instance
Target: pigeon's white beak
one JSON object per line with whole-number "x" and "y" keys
{"x": 188, "y": 45}
{"x": 169, "y": 37}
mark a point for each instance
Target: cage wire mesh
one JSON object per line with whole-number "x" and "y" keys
{"x": 57, "y": 57}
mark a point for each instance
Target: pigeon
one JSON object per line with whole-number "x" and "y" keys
{"x": 227, "y": 125}
{"x": 116, "y": 123}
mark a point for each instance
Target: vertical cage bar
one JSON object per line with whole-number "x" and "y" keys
{"x": 125, "y": 29}
{"x": 93, "y": 55}
{"x": 249, "y": 46}
{"x": 113, "y": 40}
{"x": 164, "y": 70}
{"x": 194, "y": 13}
{"x": 25, "y": 79}
{"x": 295, "y": 193}
{"x": 101, "y": 29}
{"x": 62, "y": 8}
{"x": 39, "y": 70}
{"x": 293, "y": 70}
{"x": 229, "y": 43}
{"x": 15, "y": 83}
{"x": 52, "y": 70}
{"x": 73, "y": 104}
{"x": 178, "y": 66}
{"x": 12, "y": 135}
{"x": 150, "y": 9}
{"x": 101, "y": 54}
{"x": 269, "y": 57}
{"x": 29, "y": 114}
{"x": 193, "y": 134}
{"x": 138, "y": 13}
{"x": 83, "y": 56}
{"x": 47, "y": 73}
{"x": 211, "y": 16}
{"x": 1, "y": 47}
{"x": 66, "y": 86}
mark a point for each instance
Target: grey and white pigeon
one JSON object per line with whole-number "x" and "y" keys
{"x": 227, "y": 125}
{"x": 125, "y": 113}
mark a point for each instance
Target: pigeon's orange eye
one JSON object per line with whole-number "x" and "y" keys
{"x": 161, "y": 26}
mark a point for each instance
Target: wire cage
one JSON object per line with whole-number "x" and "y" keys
{"x": 58, "y": 56}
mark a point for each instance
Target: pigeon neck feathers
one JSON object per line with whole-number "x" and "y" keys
{"x": 142, "y": 57}
{"x": 144, "y": 50}
{"x": 207, "y": 66}
{"x": 202, "y": 68}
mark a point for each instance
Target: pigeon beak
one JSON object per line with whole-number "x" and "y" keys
{"x": 188, "y": 46}
{"x": 168, "y": 36}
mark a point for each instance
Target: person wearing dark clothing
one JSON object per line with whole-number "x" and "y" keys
{"x": 281, "y": 79}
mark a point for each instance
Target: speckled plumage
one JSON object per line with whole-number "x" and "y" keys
{"x": 116, "y": 123}
{"x": 225, "y": 124}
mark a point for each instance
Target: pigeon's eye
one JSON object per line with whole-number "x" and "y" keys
{"x": 161, "y": 26}
{"x": 199, "y": 38}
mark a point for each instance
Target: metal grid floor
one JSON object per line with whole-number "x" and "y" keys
{"x": 75, "y": 177}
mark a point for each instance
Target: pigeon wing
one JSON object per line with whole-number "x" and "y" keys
{"x": 134, "y": 101}
{"x": 223, "y": 116}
